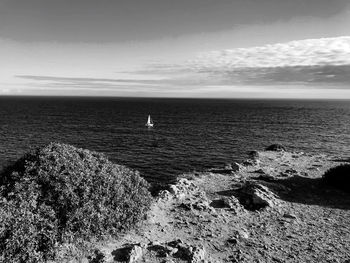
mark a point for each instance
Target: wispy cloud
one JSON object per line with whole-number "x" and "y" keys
{"x": 310, "y": 52}
{"x": 317, "y": 64}
{"x": 84, "y": 80}
{"x": 325, "y": 60}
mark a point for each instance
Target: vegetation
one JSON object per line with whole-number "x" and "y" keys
{"x": 338, "y": 177}
{"x": 59, "y": 195}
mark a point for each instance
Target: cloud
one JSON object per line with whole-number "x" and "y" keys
{"x": 84, "y": 80}
{"x": 314, "y": 64}
{"x": 310, "y": 52}
{"x": 310, "y": 61}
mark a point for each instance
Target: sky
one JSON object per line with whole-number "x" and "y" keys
{"x": 182, "y": 48}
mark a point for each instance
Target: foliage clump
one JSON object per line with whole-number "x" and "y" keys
{"x": 59, "y": 194}
{"x": 338, "y": 177}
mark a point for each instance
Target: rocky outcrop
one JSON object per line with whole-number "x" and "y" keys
{"x": 253, "y": 155}
{"x": 276, "y": 148}
{"x": 258, "y": 213}
{"x": 255, "y": 196}
{"x": 176, "y": 249}
{"x": 130, "y": 253}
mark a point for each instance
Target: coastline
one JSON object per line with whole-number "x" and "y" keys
{"x": 283, "y": 214}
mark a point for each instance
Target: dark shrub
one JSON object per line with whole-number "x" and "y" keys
{"x": 338, "y": 177}
{"x": 58, "y": 194}
{"x": 276, "y": 148}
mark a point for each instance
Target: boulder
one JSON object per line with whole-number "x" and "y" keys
{"x": 238, "y": 235}
{"x": 255, "y": 196}
{"x": 162, "y": 250}
{"x": 192, "y": 254}
{"x": 236, "y": 167}
{"x": 202, "y": 205}
{"x": 253, "y": 155}
{"x": 276, "y": 148}
{"x": 182, "y": 188}
{"x": 135, "y": 254}
{"x": 233, "y": 204}
{"x": 129, "y": 253}
{"x": 228, "y": 166}
{"x": 197, "y": 255}
{"x": 250, "y": 162}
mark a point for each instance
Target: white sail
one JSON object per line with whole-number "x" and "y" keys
{"x": 149, "y": 121}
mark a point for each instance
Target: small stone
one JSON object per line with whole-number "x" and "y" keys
{"x": 173, "y": 189}
{"x": 241, "y": 234}
{"x": 232, "y": 240}
{"x": 260, "y": 171}
{"x": 291, "y": 216}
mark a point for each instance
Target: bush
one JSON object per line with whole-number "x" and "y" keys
{"x": 60, "y": 194}
{"x": 338, "y": 177}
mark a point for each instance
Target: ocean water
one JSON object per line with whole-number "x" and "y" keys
{"x": 189, "y": 134}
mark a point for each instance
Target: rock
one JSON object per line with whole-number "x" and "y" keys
{"x": 254, "y": 196}
{"x": 228, "y": 169}
{"x": 253, "y": 155}
{"x": 276, "y": 148}
{"x": 232, "y": 203}
{"x": 238, "y": 235}
{"x": 198, "y": 255}
{"x": 266, "y": 178}
{"x": 236, "y": 167}
{"x": 182, "y": 188}
{"x": 193, "y": 254}
{"x": 97, "y": 256}
{"x": 260, "y": 171}
{"x": 162, "y": 250}
{"x": 228, "y": 166}
{"x": 175, "y": 243}
{"x": 251, "y": 162}
{"x": 173, "y": 189}
{"x": 291, "y": 171}
{"x": 291, "y": 216}
{"x": 135, "y": 254}
{"x": 164, "y": 194}
{"x": 281, "y": 174}
{"x": 232, "y": 240}
{"x": 186, "y": 206}
{"x": 202, "y": 205}
{"x": 129, "y": 253}
{"x": 221, "y": 170}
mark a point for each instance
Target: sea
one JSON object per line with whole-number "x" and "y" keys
{"x": 188, "y": 135}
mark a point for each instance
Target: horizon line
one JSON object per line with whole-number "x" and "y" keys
{"x": 175, "y": 98}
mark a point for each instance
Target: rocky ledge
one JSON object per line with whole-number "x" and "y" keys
{"x": 272, "y": 208}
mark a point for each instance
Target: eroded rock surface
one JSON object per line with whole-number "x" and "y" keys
{"x": 273, "y": 210}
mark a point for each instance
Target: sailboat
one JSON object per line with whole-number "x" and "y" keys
{"x": 149, "y": 123}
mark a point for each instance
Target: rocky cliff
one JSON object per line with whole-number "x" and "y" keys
{"x": 274, "y": 207}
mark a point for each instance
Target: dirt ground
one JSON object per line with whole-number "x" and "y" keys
{"x": 285, "y": 213}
